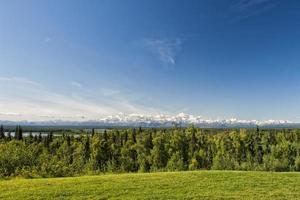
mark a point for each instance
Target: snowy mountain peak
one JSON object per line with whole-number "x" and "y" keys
{"x": 162, "y": 120}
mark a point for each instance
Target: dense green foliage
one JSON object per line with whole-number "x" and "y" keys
{"x": 165, "y": 185}
{"x": 148, "y": 150}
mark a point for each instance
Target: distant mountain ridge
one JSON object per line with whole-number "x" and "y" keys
{"x": 137, "y": 120}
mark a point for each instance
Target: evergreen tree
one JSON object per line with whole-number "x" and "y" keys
{"x": 133, "y": 136}
{"x": 68, "y": 137}
{"x": 40, "y": 137}
{"x": 35, "y": 138}
{"x": 148, "y": 143}
{"x": 50, "y": 136}
{"x": 154, "y": 150}
{"x": 115, "y": 156}
{"x": 159, "y": 154}
{"x": 193, "y": 143}
{"x": 46, "y": 141}
{"x": 86, "y": 149}
{"x": 99, "y": 153}
{"x": 2, "y": 134}
{"x": 114, "y": 138}
{"x": 9, "y": 136}
{"x": 105, "y": 137}
{"x": 140, "y": 134}
{"x": 93, "y": 132}
{"x": 125, "y": 137}
{"x": 18, "y": 133}
{"x": 30, "y": 138}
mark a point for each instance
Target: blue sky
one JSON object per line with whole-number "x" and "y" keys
{"x": 90, "y": 59}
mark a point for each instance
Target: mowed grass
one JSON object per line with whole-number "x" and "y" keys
{"x": 166, "y": 185}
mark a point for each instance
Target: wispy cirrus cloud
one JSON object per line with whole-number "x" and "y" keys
{"x": 248, "y": 8}
{"x": 47, "y": 40}
{"x": 76, "y": 84}
{"x": 24, "y": 99}
{"x": 166, "y": 49}
{"x": 247, "y": 4}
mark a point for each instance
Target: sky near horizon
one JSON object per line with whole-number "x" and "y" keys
{"x": 67, "y": 59}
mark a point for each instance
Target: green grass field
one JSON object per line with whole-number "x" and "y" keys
{"x": 172, "y": 185}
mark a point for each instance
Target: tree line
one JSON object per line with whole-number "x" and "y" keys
{"x": 148, "y": 150}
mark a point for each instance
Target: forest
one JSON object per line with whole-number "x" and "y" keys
{"x": 121, "y": 150}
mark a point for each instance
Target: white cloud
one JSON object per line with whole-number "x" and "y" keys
{"x": 247, "y": 4}
{"x": 166, "y": 49}
{"x": 76, "y": 84}
{"x": 47, "y": 39}
{"x": 23, "y": 99}
{"x": 248, "y": 8}
{"x": 109, "y": 91}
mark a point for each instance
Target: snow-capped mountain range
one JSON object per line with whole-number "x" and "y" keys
{"x": 161, "y": 120}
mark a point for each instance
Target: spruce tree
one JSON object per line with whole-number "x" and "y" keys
{"x": 30, "y": 138}
{"x": 140, "y": 134}
{"x": 105, "y": 135}
{"x": 50, "y": 136}
{"x": 35, "y": 138}
{"x": 86, "y": 149}
{"x": 18, "y": 133}
{"x": 40, "y": 137}
{"x": 30, "y": 135}
{"x": 133, "y": 136}
{"x": 126, "y": 136}
{"x": 113, "y": 138}
{"x": 159, "y": 153}
{"x": 46, "y": 141}
{"x": 193, "y": 142}
{"x": 9, "y": 136}
{"x": 2, "y": 134}
{"x": 93, "y": 132}
{"x": 148, "y": 143}
{"x": 68, "y": 140}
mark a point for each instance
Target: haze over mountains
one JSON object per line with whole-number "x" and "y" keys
{"x": 162, "y": 120}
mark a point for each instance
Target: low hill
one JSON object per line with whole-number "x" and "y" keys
{"x": 165, "y": 185}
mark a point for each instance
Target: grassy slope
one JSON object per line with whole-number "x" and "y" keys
{"x": 177, "y": 185}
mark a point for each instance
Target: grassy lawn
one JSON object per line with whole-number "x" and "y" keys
{"x": 171, "y": 185}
